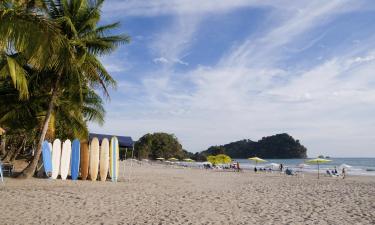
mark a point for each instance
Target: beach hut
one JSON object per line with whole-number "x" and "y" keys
{"x": 318, "y": 161}
{"x": 126, "y": 143}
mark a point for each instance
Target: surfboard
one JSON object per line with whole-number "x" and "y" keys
{"x": 65, "y": 158}
{"x": 114, "y": 159}
{"x": 84, "y": 159}
{"x": 56, "y": 154}
{"x": 104, "y": 159}
{"x": 47, "y": 158}
{"x": 94, "y": 159}
{"x": 50, "y": 148}
{"x": 74, "y": 167}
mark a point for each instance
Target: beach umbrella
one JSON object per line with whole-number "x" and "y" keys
{"x": 188, "y": 160}
{"x": 345, "y": 166}
{"x": 318, "y": 161}
{"x": 173, "y": 159}
{"x": 257, "y": 160}
{"x": 159, "y": 158}
{"x": 272, "y": 165}
{"x": 302, "y": 165}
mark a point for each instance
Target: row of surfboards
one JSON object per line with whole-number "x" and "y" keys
{"x": 81, "y": 159}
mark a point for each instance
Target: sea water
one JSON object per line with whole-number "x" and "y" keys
{"x": 359, "y": 166}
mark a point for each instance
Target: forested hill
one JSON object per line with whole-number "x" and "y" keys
{"x": 279, "y": 146}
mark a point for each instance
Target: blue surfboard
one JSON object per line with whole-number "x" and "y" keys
{"x": 75, "y": 160}
{"x": 47, "y": 158}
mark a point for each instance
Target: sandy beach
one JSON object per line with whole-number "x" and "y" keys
{"x": 157, "y": 194}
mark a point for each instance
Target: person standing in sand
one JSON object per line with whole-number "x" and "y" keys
{"x": 343, "y": 173}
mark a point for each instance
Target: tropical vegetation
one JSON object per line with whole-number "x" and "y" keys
{"x": 159, "y": 145}
{"x": 50, "y": 71}
{"x": 279, "y": 146}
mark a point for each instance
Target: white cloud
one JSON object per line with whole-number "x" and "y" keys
{"x": 161, "y": 60}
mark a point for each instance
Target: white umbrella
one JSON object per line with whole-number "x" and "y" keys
{"x": 272, "y": 165}
{"x": 302, "y": 165}
{"x": 345, "y": 166}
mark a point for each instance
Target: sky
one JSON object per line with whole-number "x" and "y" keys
{"x": 217, "y": 71}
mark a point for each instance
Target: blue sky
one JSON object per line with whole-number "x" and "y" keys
{"x": 217, "y": 71}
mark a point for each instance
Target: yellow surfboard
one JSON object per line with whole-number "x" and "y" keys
{"x": 104, "y": 159}
{"x": 85, "y": 157}
{"x": 94, "y": 159}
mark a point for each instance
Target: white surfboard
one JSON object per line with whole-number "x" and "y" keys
{"x": 94, "y": 159}
{"x": 56, "y": 154}
{"x": 114, "y": 159}
{"x": 65, "y": 159}
{"x": 104, "y": 159}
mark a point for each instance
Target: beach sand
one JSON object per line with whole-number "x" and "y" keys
{"x": 157, "y": 194}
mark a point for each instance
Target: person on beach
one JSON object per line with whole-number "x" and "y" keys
{"x": 255, "y": 169}
{"x": 238, "y": 166}
{"x": 281, "y": 167}
{"x": 343, "y": 173}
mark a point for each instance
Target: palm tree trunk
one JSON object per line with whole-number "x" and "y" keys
{"x": 30, "y": 169}
{"x": 3, "y": 145}
{"x": 17, "y": 152}
{"x": 9, "y": 154}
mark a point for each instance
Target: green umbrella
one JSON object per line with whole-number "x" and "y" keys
{"x": 257, "y": 160}
{"x": 318, "y": 161}
{"x": 173, "y": 159}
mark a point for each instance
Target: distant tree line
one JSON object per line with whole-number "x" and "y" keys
{"x": 158, "y": 145}
{"x": 279, "y": 146}
{"x": 152, "y": 146}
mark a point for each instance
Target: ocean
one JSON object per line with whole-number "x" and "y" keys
{"x": 359, "y": 166}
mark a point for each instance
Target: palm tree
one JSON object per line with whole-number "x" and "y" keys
{"x": 79, "y": 65}
{"x": 23, "y": 117}
{"x": 22, "y": 27}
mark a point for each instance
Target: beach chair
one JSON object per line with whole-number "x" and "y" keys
{"x": 7, "y": 169}
{"x": 289, "y": 172}
{"x": 1, "y": 172}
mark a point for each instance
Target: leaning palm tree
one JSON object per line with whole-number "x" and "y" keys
{"x": 79, "y": 65}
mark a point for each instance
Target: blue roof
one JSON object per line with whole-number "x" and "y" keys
{"x": 124, "y": 141}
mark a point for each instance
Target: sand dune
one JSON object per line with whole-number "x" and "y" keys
{"x": 157, "y": 194}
